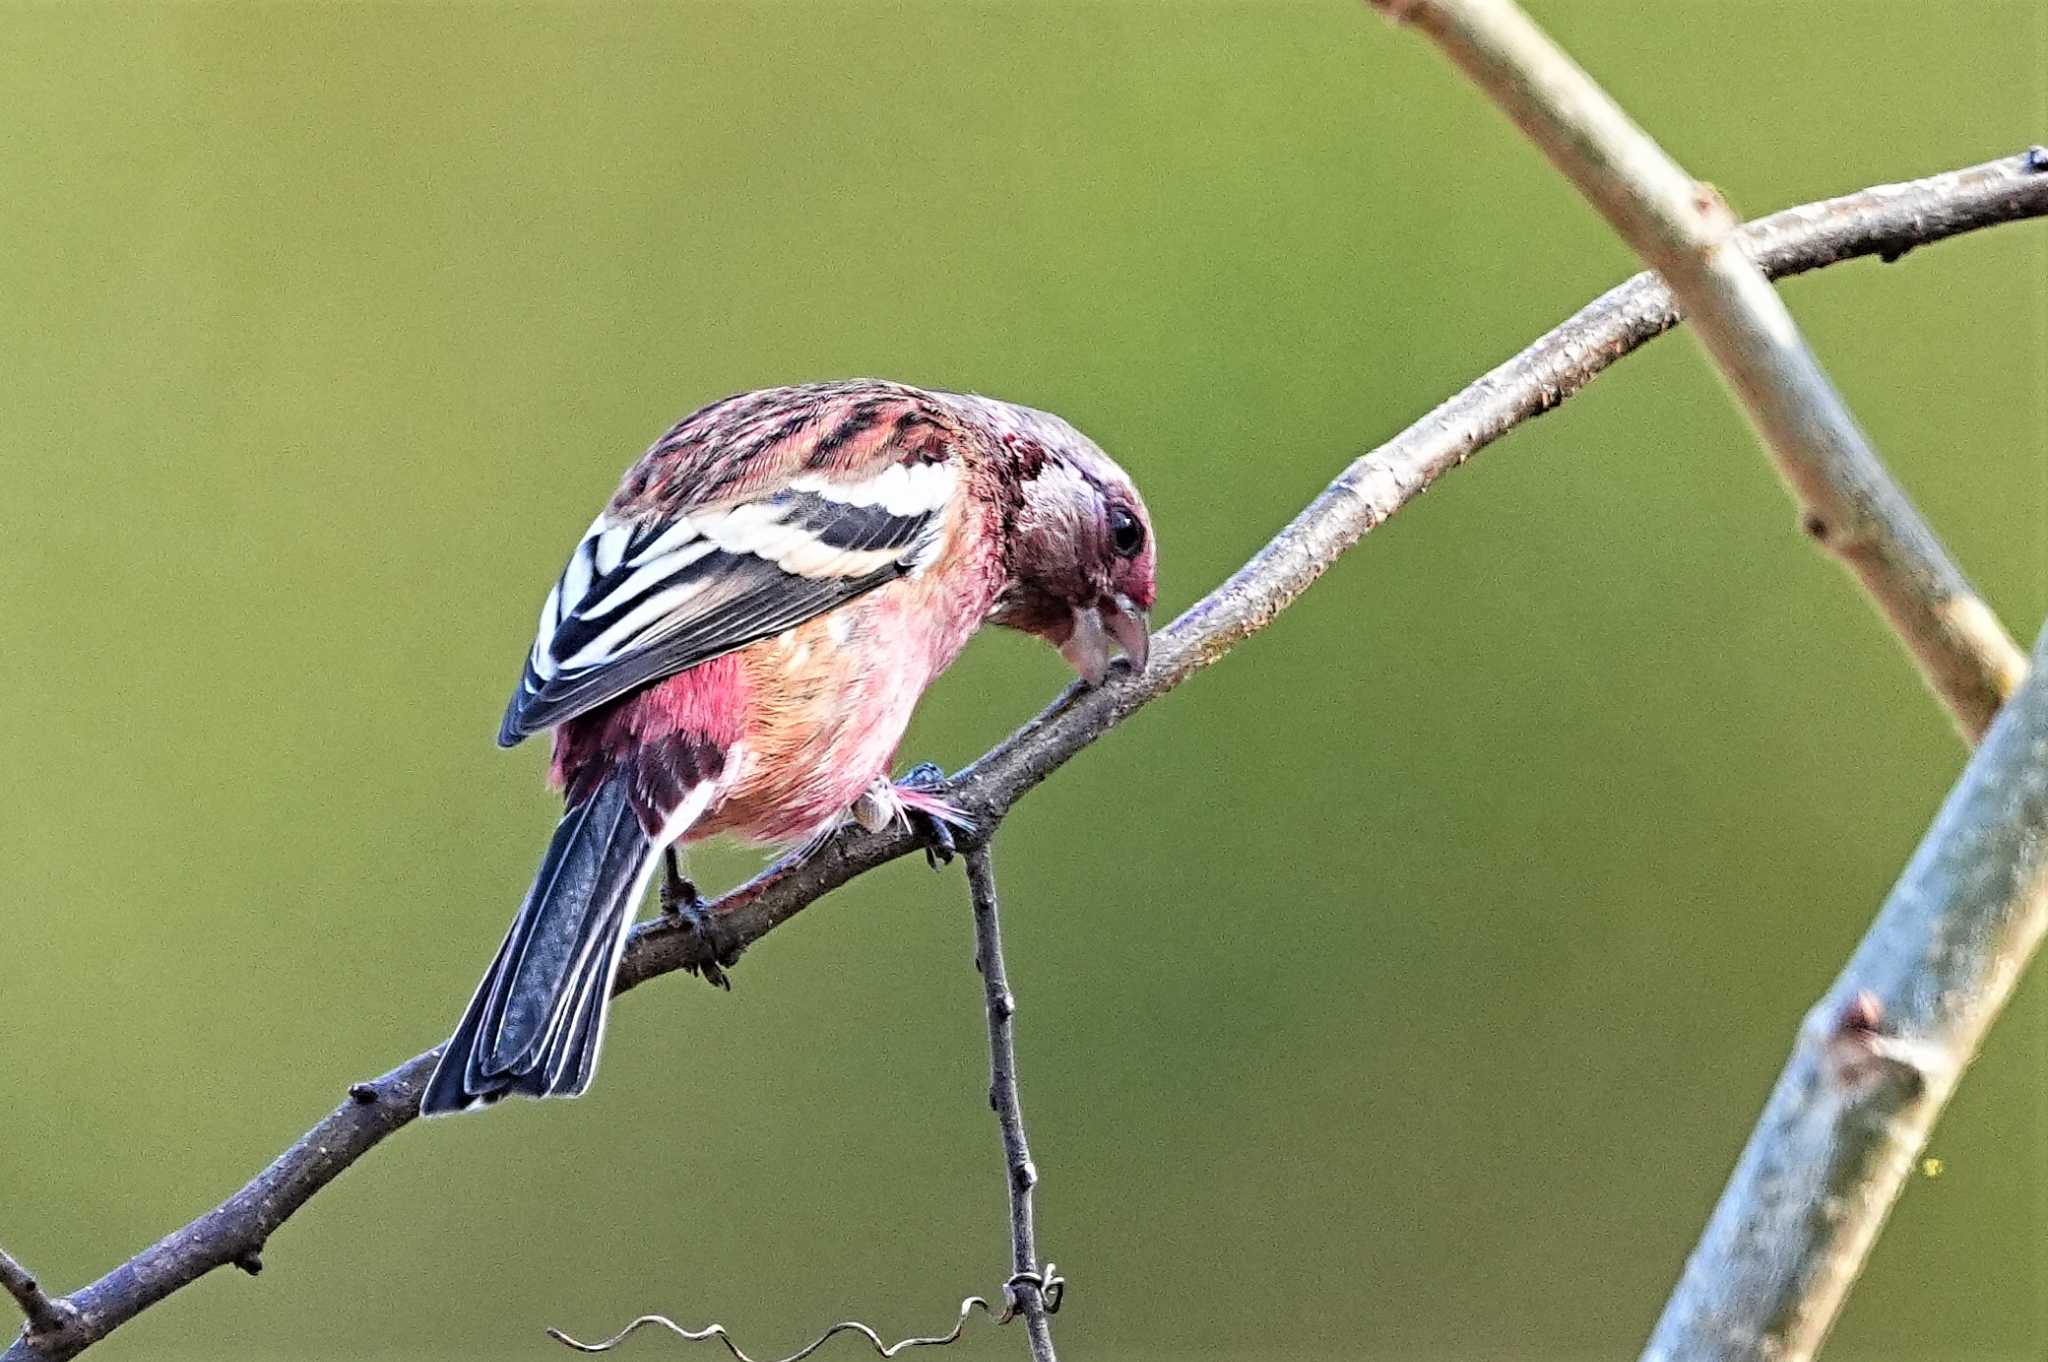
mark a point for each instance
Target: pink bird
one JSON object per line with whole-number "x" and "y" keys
{"x": 737, "y": 645}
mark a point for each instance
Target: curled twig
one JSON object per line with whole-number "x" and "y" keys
{"x": 846, "y": 1326}
{"x": 1046, "y": 1281}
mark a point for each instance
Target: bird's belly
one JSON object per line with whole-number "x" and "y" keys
{"x": 829, "y": 705}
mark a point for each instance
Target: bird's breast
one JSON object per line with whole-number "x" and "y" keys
{"x": 828, "y": 703}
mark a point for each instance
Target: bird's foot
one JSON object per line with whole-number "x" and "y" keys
{"x": 916, "y": 802}
{"x": 679, "y": 896}
{"x": 680, "y": 899}
{"x": 930, "y": 814}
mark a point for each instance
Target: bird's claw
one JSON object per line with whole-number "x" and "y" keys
{"x": 712, "y": 968}
{"x": 680, "y": 900}
{"x": 930, "y": 816}
{"x": 939, "y": 847}
{"x": 925, "y": 776}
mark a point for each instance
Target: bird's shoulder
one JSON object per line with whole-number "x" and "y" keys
{"x": 846, "y": 440}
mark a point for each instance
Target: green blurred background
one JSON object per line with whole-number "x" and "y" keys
{"x": 1404, "y": 987}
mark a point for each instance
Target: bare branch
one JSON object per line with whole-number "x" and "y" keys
{"x": 48, "y": 1320}
{"x": 1876, "y": 1060}
{"x": 1032, "y": 1290}
{"x": 1682, "y": 229}
{"x": 1885, "y": 220}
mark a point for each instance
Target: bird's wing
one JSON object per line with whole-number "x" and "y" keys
{"x": 646, "y": 595}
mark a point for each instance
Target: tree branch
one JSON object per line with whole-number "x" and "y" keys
{"x": 1034, "y": 1291}
{"x": 1682, "y": 229}
{"x": 1884, "y": 220}
{"x": 1875, "y": 1062}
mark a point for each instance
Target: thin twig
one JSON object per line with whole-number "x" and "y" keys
{"x": 1682, "y": 229}
{"x": 1884, "y": 220}
{"x": 1033, "y": 1290}
{"x": 48, "y": 1319}
{"x": 1875, "y": 1062}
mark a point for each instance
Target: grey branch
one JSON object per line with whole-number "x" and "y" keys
{"x": 48, "y": 1320}
{"x": 1882, "y": 221}
{"x": 1876, "y": 1061}
{"x": 1681, "y": 228}
{"x": 1033, "y": 1291}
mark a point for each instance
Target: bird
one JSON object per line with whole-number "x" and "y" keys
{"x": 737, "y": 644}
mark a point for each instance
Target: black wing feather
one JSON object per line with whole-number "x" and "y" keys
{"x": 775, "y": 602}
{"x": 730, "y": 596}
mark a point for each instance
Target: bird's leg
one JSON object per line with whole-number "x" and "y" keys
{"x": 680, "y": 899}
{"x": 931, "y": 816}
{"x": 679, "y": 896}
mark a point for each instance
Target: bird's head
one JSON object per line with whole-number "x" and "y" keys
{"x": 1081, "y": 553}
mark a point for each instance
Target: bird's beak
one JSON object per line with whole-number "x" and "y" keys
{"x": 1132, "y": 630}
{"x": 1096, "y": 627}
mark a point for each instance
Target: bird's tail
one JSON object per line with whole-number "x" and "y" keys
{"x": 536, "y": 1020}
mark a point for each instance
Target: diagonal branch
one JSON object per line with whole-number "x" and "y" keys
{"x": 1682, "y": 229}
{"x": 1881, "y": 221}
{"x": 1876, "y": 1061}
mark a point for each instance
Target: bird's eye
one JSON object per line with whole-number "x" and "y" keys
{"x": 1126, "y": 535}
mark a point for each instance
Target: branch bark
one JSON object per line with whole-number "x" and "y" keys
{"x": 1876, "y": 1061}
{"x": 1881, "y": 221}
{"x": 1033, "y": 1290}
{"x": 1682, "y": 229}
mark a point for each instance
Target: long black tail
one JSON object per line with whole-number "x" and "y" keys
{"x": 534, "y": 1025}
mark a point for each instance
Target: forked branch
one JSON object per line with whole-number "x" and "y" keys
{"x": 1882, "y": 1052}
{"x": 1884, "y": 220}
{"x": 1682, "y": 229}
